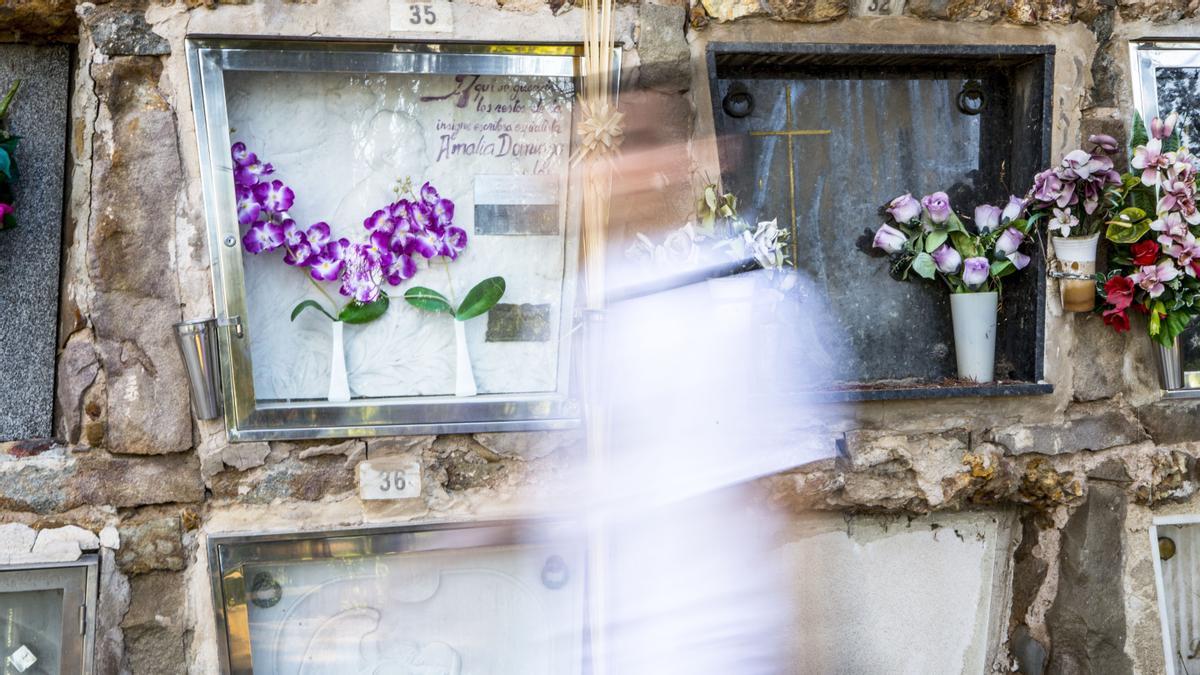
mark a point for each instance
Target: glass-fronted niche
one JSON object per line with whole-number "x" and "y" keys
{"x": 394, "y": 234}
{"x": 1166, "y": 78}
{"x": 47, "y": 618}
{"x": 494, "y": 598}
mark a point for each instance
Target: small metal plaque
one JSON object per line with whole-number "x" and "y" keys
{"x": 519, "y": 323}
{"x": 516, "y": 205}
{"x": 426, "y": 16}
{"x": 389, "y": 478}
{"x": 879, "y": 7}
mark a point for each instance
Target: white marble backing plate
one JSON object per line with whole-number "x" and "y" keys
{"x": 341, "y": 141}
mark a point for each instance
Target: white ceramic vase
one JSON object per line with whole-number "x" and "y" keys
{"x": 464, "y": 377}
{"x": 733, "y": 299}
{"x": 974, "y": 317}
{"x": 339, "y": 381}
{"x": 1077, "y": 255}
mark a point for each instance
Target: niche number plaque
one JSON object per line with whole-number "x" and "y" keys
{"x": 393, "y": 478}
{"x": 422, "y": 16}
{"x": 879, "y": 7}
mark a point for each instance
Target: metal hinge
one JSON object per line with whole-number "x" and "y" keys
{"x": 234, "y": 322}
{"x": 83, "y": 619}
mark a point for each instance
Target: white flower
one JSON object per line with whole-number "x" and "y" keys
{"x": 1063, "y": 221}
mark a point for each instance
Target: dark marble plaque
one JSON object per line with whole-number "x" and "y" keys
{"x": 519, "y": 323}
{"x": 29, "y": 254}
{"x": 835, "y": 132}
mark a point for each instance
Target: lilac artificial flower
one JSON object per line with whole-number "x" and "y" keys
{"x": 453, "y": 241}
{"x": 1186, "y": 253}
{"x": 937, "y": 205}
{"x": 1050, "y": 188}
{"x": 379, "y": 246}
{"x": 426, "y": 242}
{"x": 443, "y": 212}
{"x": 1152, "y": 277}
{"x": 429, "y": 194}
{"x": 328, "y": 264}
{"x": 975, "y": 272}
{"x": 248, "y": 207}
{"x": 380, "y": 221}
{"x": 293, "y": 234}
{"x": 263, "y": 237}
{"x": 1063, "y": 221}
{"x": 274, "y": 196}
{"x": 362, "y": 274}
{"x": 904, "y": 208}
{"x": 249, "y": 174}
{"x": 1178, "y": 192}
{"x": 1008, "y": 244}
{"x": 318, "y": 234}
{"x": 405, "y": 229}
{"x": 987, "y": 217}
{"x": 1080, "y": 164}
{"x": 1150, "y": 158}
{"x": 947, "y": 259}
{"x": 1013, "y": 209}
{"x": 1104, "y": 142}
{"x": 890, "y": 239}
{"x": 422, "y": 216}
{"x": 301, "y": 254}
{"x": 1172, "y": 227}
{"x": 401, "y": 268}
{"x": 1161, "y": 129}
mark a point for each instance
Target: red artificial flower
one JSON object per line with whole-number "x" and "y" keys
{"x": 1119, "y": 291}
{"x": 1145, "y": 252}
{"x": 1117, "y": 319}
{"x": 1142, "y": 308}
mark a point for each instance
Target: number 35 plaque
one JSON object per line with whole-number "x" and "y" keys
{"x": 422, "y": 16}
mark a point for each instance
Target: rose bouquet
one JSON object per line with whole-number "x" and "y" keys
{"x": 928, "y": 239}
{"x": 1154, "y": 257}
{"x": 1073, "y": 200}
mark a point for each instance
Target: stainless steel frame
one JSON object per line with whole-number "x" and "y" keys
{"x": 228, "y": 555}
{"x": 79, "y": 581}
{"x": 1146, "y": 57}
{"x": 209, "y": 58}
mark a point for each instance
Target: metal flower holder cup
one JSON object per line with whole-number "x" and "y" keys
{"x": 927, "y": 239}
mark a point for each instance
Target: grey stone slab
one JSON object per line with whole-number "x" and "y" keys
{"x": 516, "y": 219}
{"x": 29, "y": 254}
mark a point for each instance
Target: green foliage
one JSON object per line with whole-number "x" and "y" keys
{"x": 934, "y": 240}
{"x": 310, "y": 304}
{"x": 1138, "y": 136}
{"x": 359, "y": 313}
{"x": 483, "y": 297}
{"x": 924, "y": 266}
{"x": 1130, "y": 225}
{"x": 428, "y": 300}
{"x": 714, "y": 208}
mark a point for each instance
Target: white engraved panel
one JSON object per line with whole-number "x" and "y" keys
{"x": 341, "y": 141}
{"x": 480, "y": 611}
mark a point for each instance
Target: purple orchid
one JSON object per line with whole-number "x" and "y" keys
{"x": 453, "y": 241}
{"x": 429, "y": 194}
{"x": 380, "y": 221}
{"x": 947, "y": 259}
{"x": 1178, "y": 192}
{"x": 248, "y": 208}
{"x": 362, "y": 276}
{"x": 975, "y": 272}
{"x": 427, "y": 243}
{"x": 987, "y": 217}
{"x": 1151, "y": 278}
{"x": 937, "y": 205}
{"x": 1007, "y": 245}
{"x": 274, "y": 196}
{"x": 249, "y": 174}
{"x": 263, "y": 237}
{"x": 890, "y": 239}
{"x": 328, "y": 264}
{"x": 401, "y": 269}
{"x": 904, "y": 208}
{"x": 1172, "y": 227}
{"x": 242, "y": 156}
{"x": 1186, "y": 253}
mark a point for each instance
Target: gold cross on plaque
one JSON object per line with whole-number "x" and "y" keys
{"x": 789, "y": 134}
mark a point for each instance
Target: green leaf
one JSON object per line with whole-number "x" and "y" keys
{"x": 923, "y": 265}
{"x": 8, "y": 98}
{"x": 1002, "y": 268}
{"x": 1176, "y": 323}
{"x": 965, "y": 244}
{"x": 480, "y": 299}
{"x": 428, "y": 300}
{"x": 9, "y": 222}
{"x": 9, "y": 144}
{"x": 1121, "y": 232}
{"x": 935, "y": 239}
{"x": 1138, "y": 136}
{"x": 310, "y": 304}
{"x": 358, "y": 313}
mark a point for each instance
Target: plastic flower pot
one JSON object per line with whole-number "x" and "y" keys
{"x": 1077, "y": 255}
{"x": 464, "y": 376}
{"x": 339, "y": 381}
{"x": 974, "y": 317}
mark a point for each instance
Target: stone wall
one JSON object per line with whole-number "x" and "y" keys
{"x": 134, "y": 476}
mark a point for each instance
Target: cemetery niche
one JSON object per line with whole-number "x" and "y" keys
{"x": 31, "y": 233}
{"x": 504, "y": 598}
{"x": 823, "y": 136}
{"x": 394, "y": 234}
